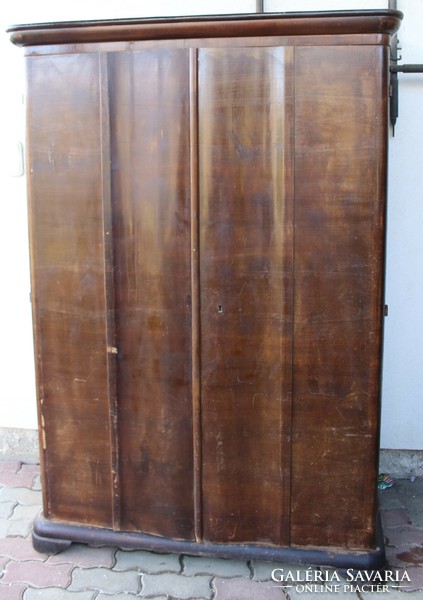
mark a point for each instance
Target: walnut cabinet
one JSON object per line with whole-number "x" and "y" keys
{"x": 207, "y": 221}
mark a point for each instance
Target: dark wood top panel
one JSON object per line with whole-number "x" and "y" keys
{"x": 363, "y": 39}
{"x": 308, "y": 23}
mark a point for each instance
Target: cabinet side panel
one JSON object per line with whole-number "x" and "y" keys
{"x": 150, "y": 136}
{"x": 246, "y": 290}
{"x": 66, "y": 230}
{"x": 340, "y": 158}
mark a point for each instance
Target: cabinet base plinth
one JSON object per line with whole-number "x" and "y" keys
{"x": 49, "y": 545}
{"x": 55, "y": 536}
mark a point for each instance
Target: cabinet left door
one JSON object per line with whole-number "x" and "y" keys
{"x": 68, "y": 285}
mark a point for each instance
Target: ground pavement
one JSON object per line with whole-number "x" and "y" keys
{"x": 87, "y": 573}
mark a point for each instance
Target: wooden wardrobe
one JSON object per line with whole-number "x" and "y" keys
{"x": 207, "y": 203}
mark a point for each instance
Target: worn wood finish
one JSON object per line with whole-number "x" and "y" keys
{"x": 207, "y": 221}
{"x": 340, "y": 149}
{"x": 109, "y": 267}
{"x": 68, "y": 290}
{"x": 246, "y": 292}
{"x": 374, "y": 39}
{"x": 195, "y": 296}
{"x": 230, "y": 26}
{"x": 149, "y": 97}
{"x": 52, "y": 537}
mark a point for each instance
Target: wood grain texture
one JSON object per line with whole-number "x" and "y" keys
{"x": 340, "y": 145}
{"x": 370, "y": 39}
{"x": 246, "y": 290}
{"x": 207, "y": 223}
{"x": 150, "y": 129}
{"x": 195, "y": 295}
{"x": 68, "y": 291}
{"x": 226, "y": 26}
{"x": 109, "y": 269}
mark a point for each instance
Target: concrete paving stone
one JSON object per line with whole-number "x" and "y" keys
{"x": 391, "y": 595}
{"x": 19, "y": 548}
{"x": 394, "y": 517}
{"x": 25, "y": 511}
{"x": 20, "y": 527}
{"x": 123, "y": 596}
{"x": 404, "y": 535}
{"x": 410, "y": 488}
{"x": 3, "y": 561}
{"x": 22, "y": 495}
{"x": 10, "y": 480}
{"x": 318, "y": 590}
{"x": 390, "y": 498}
{"x": 198, "y": 565}
{"x": 55, "y": 593}
{"x": 37, "y": 574}
{"x": 241, "y": 588}
{"x": 415, "y": 510}
{"x": 413, "y": 555}
{"x": 13, "y": 591}
{"x": 262, "y": 571}
{"x": 82, "y": 555}
{"x": 36, "y": 485}
{"x": 410, "y": 495}
{"x": 29, "y": 472}
{"x": 392, "y": 557}
{"x": 403, "y": 589}
{"x": 148, "y": 562}
{"x": 4, "y": 526}
{"x": 10, "y": 466}
{"x": 417, "y": 519}
{"x": 6, "y": 509}
{"x": 416, "y": 579}
{"x": 31, "y": 468}
{"x": 105, "y": 580}
{"x": 176, "y": 586}
{"x": 22, "y": 478}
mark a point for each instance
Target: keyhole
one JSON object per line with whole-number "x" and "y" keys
{"x": 220, "y": 309}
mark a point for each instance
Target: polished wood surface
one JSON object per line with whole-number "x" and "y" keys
{"x": 68, "y": 291}
{"x": 340, "y": 189}
{"x": 207, "y": 242}
{"x": 151, "y": 211}
{"x": 246, "y": 291}
{"x": 227, "y": 26}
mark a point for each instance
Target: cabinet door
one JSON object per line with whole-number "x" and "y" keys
{"x": 245, "y": 177}
{"x": 150, "y": 137}
{"x": 340, "y": 187}
{"x": 68, "y": 291}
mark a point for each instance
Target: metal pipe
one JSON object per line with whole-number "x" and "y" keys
{"x": 259, "y": 6}
{"x": 406, "y": 68}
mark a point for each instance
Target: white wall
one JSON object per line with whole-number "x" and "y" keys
{"x": 402, "y": 416}
{"x": 17, "y": 404}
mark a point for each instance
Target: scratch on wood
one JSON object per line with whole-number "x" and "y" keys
{"x": 43, "y": 437}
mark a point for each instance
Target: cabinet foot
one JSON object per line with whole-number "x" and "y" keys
{"x": 49, "y": 545}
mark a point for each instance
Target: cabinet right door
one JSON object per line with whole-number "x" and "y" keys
{"x": 292, "y": 182}
{"x": 339, "y": 216}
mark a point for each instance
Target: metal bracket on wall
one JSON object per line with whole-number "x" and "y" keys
{"x": 395, "y": 68}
